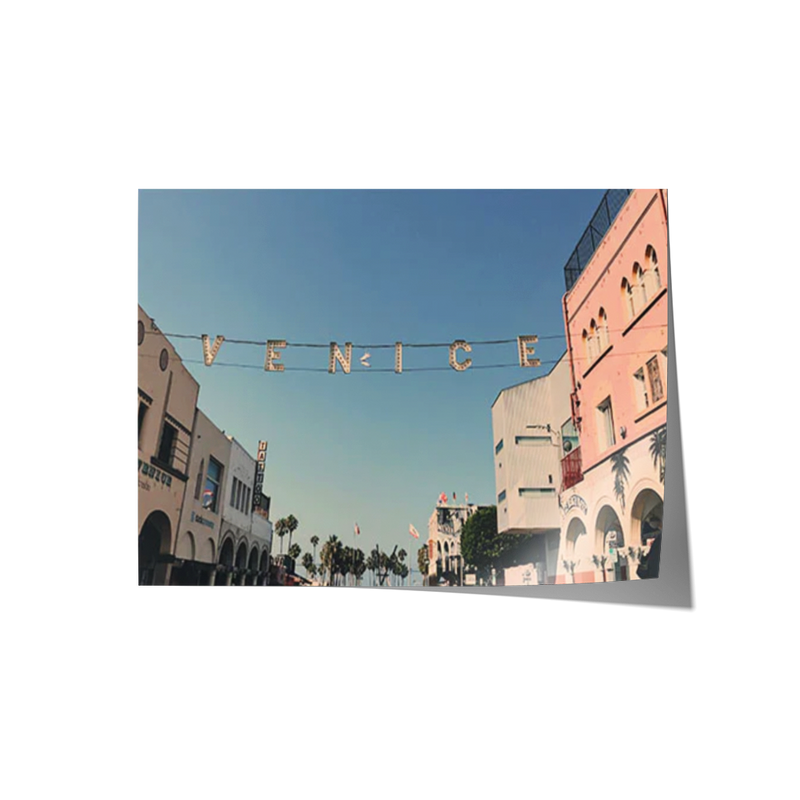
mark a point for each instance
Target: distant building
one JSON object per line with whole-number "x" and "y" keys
{"x": 444, "y": 541}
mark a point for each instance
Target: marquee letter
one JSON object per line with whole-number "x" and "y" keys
{"x": 272, "y": 356}
{"x": 398, "y": 357}
{"x": 210, "y": 353}
{"x": 526, "y": 351}
{"x": 460, "y": 344}
{"x": 336, "y": 355}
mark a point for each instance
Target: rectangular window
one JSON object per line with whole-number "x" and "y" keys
{"x": 642, "y": 399}
{"x": 142, "y": 412}
{"x": 654, "y": 373}
{"x": 537, "y": 492}
{"x": 605, "y": 423}
{"x": 211, "y": 491}
{"x": 532, "y": 440}
{"x": 502, "y": 496}
{"x": 232, "y": 499}
{"x": 569, "y": 437}
{"x": 247, "y": 502}
{"x": 498, "y": 447}
{"x": 238, "y": 500}
{"x": 167, "y": 447}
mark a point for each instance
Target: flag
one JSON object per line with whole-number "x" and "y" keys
{"x": 413, "y": 531}
{"x": 454, "y": 497}
{"x": 443, "y": 498}
{"x": 208, "y": 498}
{"x": 357, "y": 529}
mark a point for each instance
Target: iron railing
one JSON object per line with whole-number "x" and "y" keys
{"x": 606, "y": 213}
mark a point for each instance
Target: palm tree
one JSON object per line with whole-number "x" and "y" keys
{"x": 600, "y": 563}
{"x": 620, "y": 467}
{"x": 281, "y": 531}
{"x": 294, "y": 551}
{"x": 308, "y": 564}
{"x": 330, "y": 557}
{"x": 314, "y": 543}
{"x": 291, "y": 526}
{"x": 658, "y": 450}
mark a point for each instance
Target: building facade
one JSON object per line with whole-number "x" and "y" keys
{"x": 615, "y": 314}
{"x": 531, "y": 424}
{"x": 444, "y": 541}
{"x": 201, "y": 518}
{"x": 167, "y": 403}
{"x": 245, "y": 537}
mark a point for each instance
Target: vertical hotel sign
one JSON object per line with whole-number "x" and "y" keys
{"x": 261, "y": 460}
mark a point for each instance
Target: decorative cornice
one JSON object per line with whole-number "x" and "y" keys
{"x": 144, "y": 395}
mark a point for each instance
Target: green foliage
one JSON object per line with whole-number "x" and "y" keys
{"x": 423, "y": 561}
{"x": 294, "y": 551}
{"x": 483, "y": 548}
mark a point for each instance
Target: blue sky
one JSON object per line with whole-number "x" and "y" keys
{"x": 366, "y": 267}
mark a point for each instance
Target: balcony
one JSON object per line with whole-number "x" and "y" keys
{"x": 571, "y": 470}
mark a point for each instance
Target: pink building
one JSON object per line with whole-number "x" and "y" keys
{"x": 614, "y": 445}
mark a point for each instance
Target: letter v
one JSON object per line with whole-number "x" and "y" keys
{"x": 210, "y": 353}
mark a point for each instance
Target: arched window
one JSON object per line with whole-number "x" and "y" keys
{"x": 639, "y": 293}
{"x": 628, "y": 299}
{"x": 586, "y": 347}
{"x": 602, "y": 330}
{"x": 652, "y": 275}
{"x": 594, "y": 350}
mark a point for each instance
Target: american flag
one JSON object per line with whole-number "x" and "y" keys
{"x": 413, "y": 531}
{"x": 208, "y": 498}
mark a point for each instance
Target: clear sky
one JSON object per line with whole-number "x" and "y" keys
{"x": 369, "y": 267}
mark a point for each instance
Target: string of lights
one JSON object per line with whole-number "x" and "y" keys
{"x": 364, "y": 370}
{"x": 326, "y": 345}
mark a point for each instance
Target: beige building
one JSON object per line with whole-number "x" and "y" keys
{"x": 167, "y": 402}
{"x": 201, "y": 519}
{"x": 444, "y": 541}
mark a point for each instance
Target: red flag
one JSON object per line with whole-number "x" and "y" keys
{"x": 357, "y": 529}
{"x": 413, "y": 531}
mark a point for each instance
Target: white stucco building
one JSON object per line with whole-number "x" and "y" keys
{"x": 532, "y": 429}
{"x": 444, "y": 539}
{"x": 245, "y": 537}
